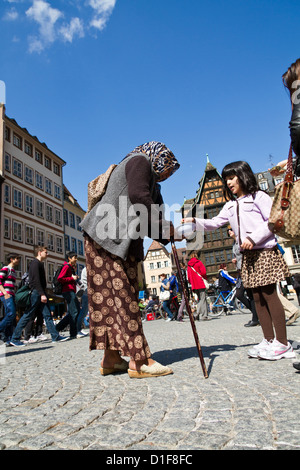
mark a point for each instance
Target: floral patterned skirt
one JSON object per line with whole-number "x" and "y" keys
{"x": 263, "y": 267}
{"x": 115, "y": 319}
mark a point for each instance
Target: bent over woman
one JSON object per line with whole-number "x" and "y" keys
{"x": 114, "y": 231}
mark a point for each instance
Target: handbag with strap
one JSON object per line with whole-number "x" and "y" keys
{"x": 204, "y": 280}
{"x": 97, "y": 187}
{"x": 284, "y": 219}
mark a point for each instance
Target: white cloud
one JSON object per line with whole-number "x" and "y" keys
{"x": 102, "y": 11}
{"x": 53, "y": 24}
{"x": 75, "y": 28}
{"x": 11, "y": 15}
{"x": 46, "y": 17}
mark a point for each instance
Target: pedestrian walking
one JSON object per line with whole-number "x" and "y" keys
{"x": 68, "y": 278}
{"x": 247, "y": 211}
{"x": 165, "y": 286}
{"x": 84, "y": 305}
{"x": 38, "y": 299}
{"x": 7, "y": 295}
{"x": 196, "y": 271}
{"x": 113, "y": 253}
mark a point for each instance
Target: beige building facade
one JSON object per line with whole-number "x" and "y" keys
{"x": 31, "y": 179}
{"x": 157, "y": 262}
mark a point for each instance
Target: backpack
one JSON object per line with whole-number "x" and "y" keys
{"x": 56, "y": 284}
{"x": 22, "y": 297}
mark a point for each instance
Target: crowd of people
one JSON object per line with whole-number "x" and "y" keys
{"x": 112, "y": 258}
{"x": 32, "y": 319}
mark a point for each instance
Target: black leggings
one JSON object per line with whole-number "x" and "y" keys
{"x": 270, "y": 312}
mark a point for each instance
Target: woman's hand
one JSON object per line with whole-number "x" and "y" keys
{"x": 188, "y": 220}
{"x": 247, "y": 245}
{"x": 279, "y": 169}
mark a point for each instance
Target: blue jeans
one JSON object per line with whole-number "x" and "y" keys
{"x": 167, "y": 308}
{"x": 73, "y": 312}
{"x": 9, "y": 314}
{"x": 36, "y": 305}
{"x": 83, "y": 311}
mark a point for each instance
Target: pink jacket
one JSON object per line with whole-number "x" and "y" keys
{"x": 65, "y": 277}
{"x": 248, "y": 217}
{"x": 193, "y": 277}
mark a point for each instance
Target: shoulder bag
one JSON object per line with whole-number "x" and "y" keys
{"x": 284, "y": 219}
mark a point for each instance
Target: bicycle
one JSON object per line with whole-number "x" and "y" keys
{"x": 174, "y": 307}
{"x": 225, "y": 303}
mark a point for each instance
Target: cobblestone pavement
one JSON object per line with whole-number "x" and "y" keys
{"x": 52, "y": 396}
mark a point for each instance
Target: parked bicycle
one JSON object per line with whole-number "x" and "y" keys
{"x": 224, "y": 303}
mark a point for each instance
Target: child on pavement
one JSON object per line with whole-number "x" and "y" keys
{"x": 247, "y": 211}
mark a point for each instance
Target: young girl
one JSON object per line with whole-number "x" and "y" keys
{"x": 263, "y": 266}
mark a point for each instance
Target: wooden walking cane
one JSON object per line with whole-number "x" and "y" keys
{"x": 188, "y": 307}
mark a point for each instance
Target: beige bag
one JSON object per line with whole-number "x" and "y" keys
{"x": 97, "y": 187}
{"x": 284, "y": 219}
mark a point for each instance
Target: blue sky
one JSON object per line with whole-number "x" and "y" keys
{"x": 95, "y": 78}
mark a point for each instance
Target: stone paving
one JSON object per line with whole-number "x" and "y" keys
{"x": 52, "y": 396}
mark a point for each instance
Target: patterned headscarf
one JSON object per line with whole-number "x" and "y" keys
{"x": 162, "y": 159}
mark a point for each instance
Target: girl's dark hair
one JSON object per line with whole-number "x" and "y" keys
{"x": 245, "y": 176}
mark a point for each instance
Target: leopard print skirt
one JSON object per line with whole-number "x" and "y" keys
{"x": 263, "y": 267}
{"x": 115, "y": 319}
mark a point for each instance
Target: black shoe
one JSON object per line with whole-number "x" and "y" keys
{"x": 296, "y": 365}
{"x": 252, "y": 323}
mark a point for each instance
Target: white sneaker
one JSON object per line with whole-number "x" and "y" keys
{"x": 31, "y": 340}
{"x": 264, "y": 345}
{"x": 169, "y": 319}
{"x": 277, "y": 351}
{"x": 41, "y": 337}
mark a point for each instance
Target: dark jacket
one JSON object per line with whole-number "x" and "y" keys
{"x": 295, "y": 136}
{"x": 37, "y": 276}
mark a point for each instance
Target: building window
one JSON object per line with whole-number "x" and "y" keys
{"x": 50, "y": 242}
{"x": 73, "y": 244}
{"x": 152, "y": 279}
{"x": 7, "y": 134}
{"x": 29, "y": 235}
{"x": 40, "y": 237}
{"x": 56, "y": 169}
{"x": 17, "y": 231}
{"x": 49, "y": 213}
{"x": 48, "y": 186}
{"x": 17, "y": 199}
{"x": 28, "y": 204}
{"x": 17, "y": 141}
{"x": 28, "y": 175}
{"x": 151, "y": 265}
{"x": 66, "y": 217}
{"x": 6, "y": 227}
{"x": 50, "y": 272}
{"x": 72, "y": 219}
{"x": 264, "y": 185}
{"x": 17, "y": 168}
{"x": 57, "y": 217}
{"x": 7, "y": 193}
{"x": 7, "y": 162}
{"x": 38, "y": 156}
{"x": 57, "y": 192}
{"x": 38, "y": 180}
{"x": 67, "y": 243}
{"x": 166, "y": 264}
{"x": 48, "y": 163}
{"x": 28, "y": 149}
{"x": 296, "y": 253}
{"x": 80, "y": 247}
{"x": 59, "y": 247}
{"x": 78, "y": 221}
{"x": 39, "y": 208}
